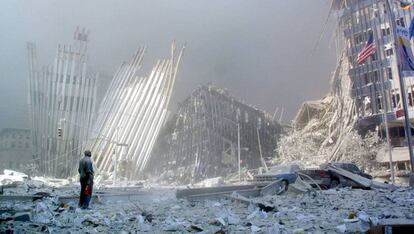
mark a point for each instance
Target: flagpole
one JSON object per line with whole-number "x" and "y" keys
{"x": 402, "y": 89}
{"x": 385, "y": 106}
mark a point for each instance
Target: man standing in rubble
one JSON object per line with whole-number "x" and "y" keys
{"x": 86, "y": 179}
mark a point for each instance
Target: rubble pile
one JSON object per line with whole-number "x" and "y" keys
{"x": 331, "y": 211}
{"x": 324, "y": 131}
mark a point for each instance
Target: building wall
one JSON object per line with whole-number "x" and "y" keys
{"x": 15, "y": 148}
{"x": 376, "y": 87}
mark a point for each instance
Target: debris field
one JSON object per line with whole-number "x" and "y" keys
{"x": 157, "y": 210}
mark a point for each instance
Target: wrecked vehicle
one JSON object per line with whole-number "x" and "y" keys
{"x": 351, "y": 167}
{"x": 289, "y": 173}
{"x": 319, "y": 177}
{"x": 327, "y": 178}
{"x": 286, "y": 173}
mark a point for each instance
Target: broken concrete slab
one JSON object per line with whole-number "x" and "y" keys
{"x": 277, "y": 187}
{"x": 264, "y": 206}
{"x": 220, "y": 191}
{"x": 364, "y": 182}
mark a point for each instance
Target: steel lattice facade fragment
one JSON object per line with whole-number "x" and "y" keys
{"x": 62, "y": 99}
{"x": 132, "y": 114}
{"x": 204, "y": 142}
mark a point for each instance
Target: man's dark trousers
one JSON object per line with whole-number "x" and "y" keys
{"x": 86, "y": 193}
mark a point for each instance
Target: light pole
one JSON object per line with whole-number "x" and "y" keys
{"x": 402, "y": 89}
{"x": 238, "y": 147}
{"x": 115, "y": 157}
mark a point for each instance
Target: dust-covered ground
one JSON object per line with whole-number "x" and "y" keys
{"x": 154, "y": 209}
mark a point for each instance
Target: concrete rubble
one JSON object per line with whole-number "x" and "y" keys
{"x": 155, "y": 209}
{"x": 324, "y": 130}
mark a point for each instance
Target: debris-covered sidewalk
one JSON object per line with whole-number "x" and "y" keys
{"x": 158, "y": 211}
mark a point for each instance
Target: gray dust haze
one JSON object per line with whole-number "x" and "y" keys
{"x": 261, "y": 51}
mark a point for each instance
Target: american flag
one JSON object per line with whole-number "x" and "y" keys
{"x": 368, "y": 50}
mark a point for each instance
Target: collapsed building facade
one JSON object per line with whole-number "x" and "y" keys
{"x": 324, "y": 130}
{"x": 131, "y": 115}
{"x": 62, "y": 98}
{"x": 209, "y": 128}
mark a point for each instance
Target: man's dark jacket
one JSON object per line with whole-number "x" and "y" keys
{"x": 86, "y": 170}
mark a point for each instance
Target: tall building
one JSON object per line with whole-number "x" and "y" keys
{"x": 62, "y": 99}
{"x": 15, "y": 149}
{"x": 205, "y": 141}
{"x": 375, "y": 83}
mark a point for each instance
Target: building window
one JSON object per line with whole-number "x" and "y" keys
{"x": 389, "y": 73}
{"x": 410, "y": 99}
{"x": 389, "y": 52}
{"x": 394, "y": 101}
{"x": 401, "y": 166}
{"x": 376, "y": 14}
{"x": 401, "y": 22}
{"x": 375, "y": 76}
{"x": 359, "y": 38}
{"x": 385, "y": 32}
{"x": 379, "y": 102}
{"x": 366, "y": 78}
{"x": 374, "y": 57}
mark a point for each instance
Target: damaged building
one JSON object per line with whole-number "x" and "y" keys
{"x": 210, "y": 131}
{"x": 15, "y": 148}
{"x": 376, "y": 87}
{"x": 62, "y": 99}
{"x": 131, "y": 115}
{"x": 349, "y": 123}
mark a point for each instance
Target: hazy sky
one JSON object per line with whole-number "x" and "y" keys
{"x": 260, "y": 50}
